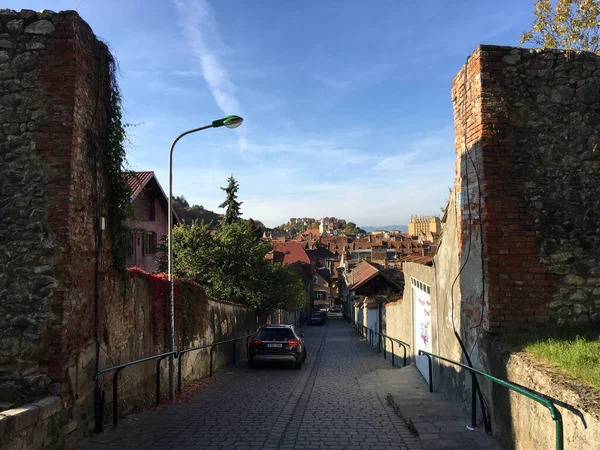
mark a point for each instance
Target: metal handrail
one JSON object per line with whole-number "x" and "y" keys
{"x": 554, "y": 413}
{"x": 211, "y": 346}
{"x": 117, "y": 369}
{"x": 369, "y": 335}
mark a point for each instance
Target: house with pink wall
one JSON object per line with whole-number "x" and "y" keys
{"x": 149, "y": 224}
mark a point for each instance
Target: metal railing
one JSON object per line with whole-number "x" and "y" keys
{"x": 159, "y": 358}
{"x": 117, "y": 370}
{"x": 369, "y": 335}
{"x": 554, "y": 413}
{"x": 211, "y": 346}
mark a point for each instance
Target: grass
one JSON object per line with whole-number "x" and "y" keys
{"x": 576, "y": 351}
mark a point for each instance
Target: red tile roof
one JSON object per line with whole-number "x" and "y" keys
{"x": 137, "y": 181}
{"x": 362, "y": 273}
{"x": 425, "y": 260}
{"x": 293, "y": 251}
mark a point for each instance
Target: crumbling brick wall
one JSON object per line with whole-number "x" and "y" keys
{"x": 527, "y": 124}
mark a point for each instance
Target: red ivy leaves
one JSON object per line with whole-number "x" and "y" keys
{"x": 190, "y": 306}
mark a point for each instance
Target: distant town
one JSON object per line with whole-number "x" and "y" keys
{"x": 334, "y": 253}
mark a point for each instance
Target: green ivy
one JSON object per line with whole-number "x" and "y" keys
{"x": 114, "y": 162}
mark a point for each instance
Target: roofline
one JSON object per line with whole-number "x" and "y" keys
{"x": 133, "y": 197}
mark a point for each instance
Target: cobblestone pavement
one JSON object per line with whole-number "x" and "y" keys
{"x": 328, "y": 404}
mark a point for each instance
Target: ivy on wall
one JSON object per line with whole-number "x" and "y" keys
{"x": 118, "y": 196}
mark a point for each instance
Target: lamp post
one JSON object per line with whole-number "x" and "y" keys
{"x": 229, "y": 122}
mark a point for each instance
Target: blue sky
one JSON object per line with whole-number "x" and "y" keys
{"x": 346, "y": 103}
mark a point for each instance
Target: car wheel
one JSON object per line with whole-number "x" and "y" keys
{"x": 251, "y": 364}
{"x": 298, "y": 365}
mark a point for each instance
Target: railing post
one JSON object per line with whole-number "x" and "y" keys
{"x": 393, "y": 359}
{"x": 116, "y": 398}
{"x": 211, "y": 360}
{"x": 378, "y": 343}
{"x": 99, "y": 408}
{"x": 158, "y": 381}
{"x": 473, "y": 400}
{"x": 430, "y": 372}
{"x": 179, "y": 375}
{"x": 559, "y": 429}
{"x": 404, "y": 348}
{"x": 384, "y": 348}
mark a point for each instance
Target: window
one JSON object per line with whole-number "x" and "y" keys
{"x": 275, "y": 334}
{"x": 319, "y": 295}
{"x": 151, "y": 208}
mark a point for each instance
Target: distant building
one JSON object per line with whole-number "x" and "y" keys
{"x": 425, "y": 225}
{"x": 149, "y": 224}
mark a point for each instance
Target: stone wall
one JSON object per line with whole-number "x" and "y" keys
{"x": 54, "y": 81}
{"x": 527, "y": 124}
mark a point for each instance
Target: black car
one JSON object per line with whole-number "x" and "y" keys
{"x": 277, "y": 343}
{"x": 316, "y": 319}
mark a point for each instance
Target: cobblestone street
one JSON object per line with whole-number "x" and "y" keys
{"x": 324, "y": 405}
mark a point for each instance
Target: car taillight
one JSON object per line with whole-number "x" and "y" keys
{"x": 255, "y": 341}
{"x": 294, "y": 342}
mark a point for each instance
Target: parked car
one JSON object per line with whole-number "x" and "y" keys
{"x": 335, "y": 309}
{"x": 324, "y": 315}
{"x": 277, "y": 343}
{"x": 316, "y": 319}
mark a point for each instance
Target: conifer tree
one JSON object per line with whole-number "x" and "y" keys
{"x": 232, "y": 211}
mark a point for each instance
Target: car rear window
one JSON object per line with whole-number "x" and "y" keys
{"x": 275, "y": 334}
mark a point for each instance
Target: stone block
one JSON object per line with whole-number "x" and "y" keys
{"x": 67, "y": 428}
{"x": 40, "y": 27}
{"x": 48, "y": 406}
{"x": 22, "y": 417}
{"x": 3, "y": 424}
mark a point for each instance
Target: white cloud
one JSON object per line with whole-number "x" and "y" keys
{"x": 200, "y": 29}
{"x": 315, "y": 177}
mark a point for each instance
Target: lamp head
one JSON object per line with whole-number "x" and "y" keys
{"x": 229, "y": 122}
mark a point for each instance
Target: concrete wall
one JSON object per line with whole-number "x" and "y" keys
{"x": 526, "y": 424}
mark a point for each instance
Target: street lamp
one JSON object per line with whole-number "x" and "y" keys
{"x": 229, "y": 122}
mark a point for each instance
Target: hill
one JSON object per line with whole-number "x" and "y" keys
{"x": 188, "y": 214}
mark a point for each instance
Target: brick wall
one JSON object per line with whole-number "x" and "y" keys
{"x": 527, "y": 124}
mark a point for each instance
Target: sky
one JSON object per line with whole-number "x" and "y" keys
{"x": 346, "y": 104}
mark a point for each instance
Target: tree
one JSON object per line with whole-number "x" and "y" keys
{"x": 180, "y": 199}
{"x": 568, "y": 24}
{"x": 351, "y": 228}
{"x": 232, "y": 212}
{"x": 230, "y": 264}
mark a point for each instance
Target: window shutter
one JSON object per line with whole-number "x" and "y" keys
{"x": 153, "y": 243}
{"x": 146, "y": 244}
